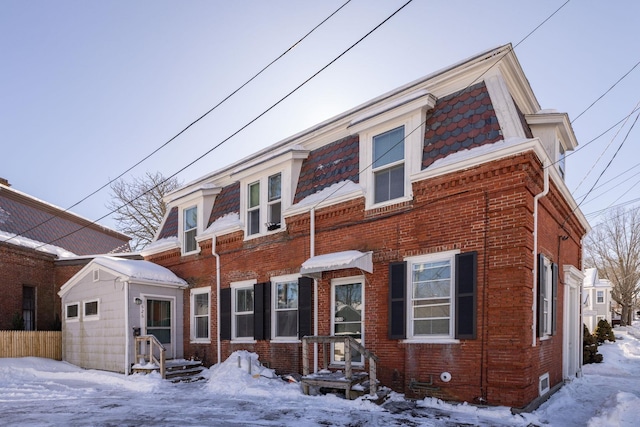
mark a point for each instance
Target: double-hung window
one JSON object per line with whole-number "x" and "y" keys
{"x": 600, "y": 297}
{"x": 433, "y": 297}
{"x": 242, "y": 314}
{"x": 253, "y": 209}
{"x": 285, "y": 309}
{"x": 264, "y": 205}
{"x": 547, "y": 296}
{"x": 431, "y": 292}
{"x": 190, "y": 227}
{"x": 200, "y": 314}
{"x": 274, "y": 201}
{"x": 388, "y": 165}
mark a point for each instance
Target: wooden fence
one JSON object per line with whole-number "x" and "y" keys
{"x": 31, "y": 343}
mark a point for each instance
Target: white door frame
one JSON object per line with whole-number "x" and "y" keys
{"x": 171, "y": 351}
{"x": 572, "y": 323}
{"x": 347, "y": 281}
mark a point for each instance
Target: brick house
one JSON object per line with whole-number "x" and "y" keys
{"x": 432, "y": 224}
{"x": 41, "y": 247}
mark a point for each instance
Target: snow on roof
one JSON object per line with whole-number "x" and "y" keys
{"x": 228, "y": 221}
{"x": 33, "y": 244}
{"x": 337, "y": 261}
{"x": 141, "y": 270}
{"x": 335, "y": 191}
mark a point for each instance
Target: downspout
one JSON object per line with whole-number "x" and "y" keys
{"x": 312, "y": 253}
{"x": 127, "y": 330}
{"x": 535, "y": 250}
{"x": 215, "y": 254}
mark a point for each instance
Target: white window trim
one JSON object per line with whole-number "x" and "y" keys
{"x": 234, "y": 287}
{"x": 347, "y": 281}
{"x": 542, "y": 389}
{"x": 414, "y": 138}
{"x": 274, "y": 297}
{"x": 192, "y": 318}
{"x": 548, "y": 282}
{"x": 90, "y": 317}
{"x": 285, "y": 197}
{"x": 598, "y": 298}
{"x": 71, "y": 319}
{"x": 435, "y": 339}
{"x": 183, "y": 232}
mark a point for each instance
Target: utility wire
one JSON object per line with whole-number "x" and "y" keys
{"x": 606, "y": 92}
{"x": 249, "y": 122}
{"x": 226, "y": 98}
{"x": 425, "y": 120}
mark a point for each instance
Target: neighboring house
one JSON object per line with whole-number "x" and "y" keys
{"x": 110, "y": 301}
{"x": 433, "y": 223}
{"x": 596, "y": 297}
{"x": 41, "y": 247}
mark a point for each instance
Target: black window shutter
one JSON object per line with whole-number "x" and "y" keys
{"x": 466, "y": 295}
{"x": 541, "y": 294}
{"x": 305, "y": 294}
{"x": 258, "y": 311}
{"x": 267, "y": 310}
{"x": 554, "y": 300}
{"x": 225, "y": 314}
{"x": 397, "y": 300}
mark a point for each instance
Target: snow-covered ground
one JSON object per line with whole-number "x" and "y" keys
{"x": 43, "y": 392}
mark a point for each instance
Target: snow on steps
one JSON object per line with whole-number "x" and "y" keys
{"x": 176, "y": 370}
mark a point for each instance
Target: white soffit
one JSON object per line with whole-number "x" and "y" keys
{"x": 314, "y": 266}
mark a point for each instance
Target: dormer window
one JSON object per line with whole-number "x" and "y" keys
{"x": 264, "y": 205}
{"x": 388, "y": 165}
{"x": 190, "y": 228}
{"x": 274, "y": 202}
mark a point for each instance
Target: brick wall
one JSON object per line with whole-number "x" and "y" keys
{"x": 21, "y": 267}
{"x": 488, "y": 209}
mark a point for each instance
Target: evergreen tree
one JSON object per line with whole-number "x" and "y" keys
{"x": 604, "y": 332}
{"x": 589, "y": 347}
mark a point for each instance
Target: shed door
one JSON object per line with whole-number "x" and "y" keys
{"x": 159, "y": 323}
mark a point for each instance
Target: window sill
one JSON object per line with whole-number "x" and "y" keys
{"x": 285, "y": 341}
{"x": 267, "y": 233}
{"x": 90, "y": 318}
{"x": 389, "y": 203}
{"x": 431, "y": 341}
{"x": 241, "y": 341}
{"x": 200, "y": 341}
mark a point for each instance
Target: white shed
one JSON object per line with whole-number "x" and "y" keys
{"x": 110, "y": 301}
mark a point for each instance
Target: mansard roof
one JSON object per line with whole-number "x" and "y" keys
{"x": 25, "y": 216}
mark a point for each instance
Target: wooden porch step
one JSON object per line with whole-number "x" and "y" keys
{"x": 336, "y": 380}
{"x": 176, "y": 370}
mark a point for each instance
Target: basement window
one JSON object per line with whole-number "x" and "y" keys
{"x": 543, "y": 384}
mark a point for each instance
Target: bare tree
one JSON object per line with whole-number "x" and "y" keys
{"x": 138, "y": 206}
{"x": 613, "y": 247}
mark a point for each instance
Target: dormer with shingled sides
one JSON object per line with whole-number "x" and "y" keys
{"x": 374, "y": 152}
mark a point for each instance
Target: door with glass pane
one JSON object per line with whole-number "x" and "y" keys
{"x": 348, "y": 307}
{"x": 159, "y": 323}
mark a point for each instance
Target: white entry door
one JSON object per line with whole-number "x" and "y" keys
{"x": 159, "y": 323}
{"x": 347, "y": 319}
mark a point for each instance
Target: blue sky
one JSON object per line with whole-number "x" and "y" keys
{"x": 87, "y": 89}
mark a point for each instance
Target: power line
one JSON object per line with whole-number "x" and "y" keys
{"x": 606, "y": 92}
{"x": 226, "y": 98}
{"x": 468, "y": 85}
{"x": 252, "y": 120}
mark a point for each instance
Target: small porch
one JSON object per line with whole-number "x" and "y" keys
{"x": 150, "y": 356}
{"x": 347, "y": 380}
